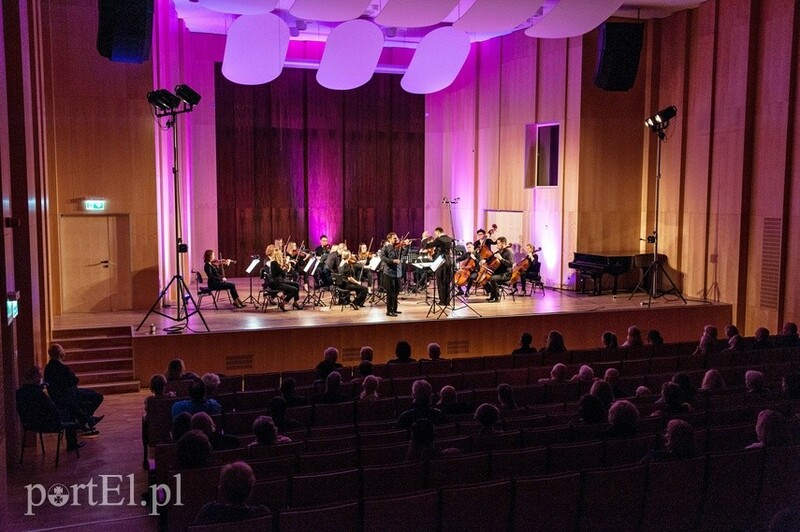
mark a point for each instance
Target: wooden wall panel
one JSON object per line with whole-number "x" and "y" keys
{"x": 309, "y": 161}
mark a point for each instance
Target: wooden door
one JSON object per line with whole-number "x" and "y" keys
{"x": 95, "y": 263}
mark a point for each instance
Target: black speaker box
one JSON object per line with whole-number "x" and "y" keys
{"x": 125, "y": 28}
{"x": 618, "y": 51}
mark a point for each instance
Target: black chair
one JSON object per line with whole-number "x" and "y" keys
{"x": 535, "y": 277}
{"x": 31, "y": 422}
{"x": 340, "y": 294}
{"x": 271, "y": 295}
{"x": 203, "y": 291}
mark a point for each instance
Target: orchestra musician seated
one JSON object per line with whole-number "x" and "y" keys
{"x": 349, "y": 281}
{"x": 216, "y": 276}
{"x": 277, "y": 266}
{"x": 502, "y": 273}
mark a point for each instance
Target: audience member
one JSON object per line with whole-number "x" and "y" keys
{"x": 288, "y": 387}
{"x": 267, "y": 433}
{"x": 434, "y": 351}
{"x": 369, "y": 389}
{"x": 634, "y": 338}
{"x": 585, "y": 374}
{"x": 365, "y": 369}
{"x": 590, "y": 411}
{"x": 402, "y": 353}
{"x": 367, "y": 353}
{"x": 176, "y": 371}
{"x": 771, "y": 430}
{"x": 333, "y": 391}
{"x": 609, "y": 340}
{"x": 672, "y": 402}
{"x": 422, "y": 445}
{"x": 236, "y": 483}
{"x": 62, "y": 386}
{"x": 708, "y": 341}
{"x": 686, "y": 385}
{"x": 755, "y": 382}
{"x": 329, "y": 363}
{"x": 219, "y": 442}
{"x": 678, "y": 443}
{"x": 278, "y": 412}
{"x": 712, "y": 380}
{"x": 555, "y": 344}
{"x": 603, "y": 391}
{"x": 487, "y": 416}
{"x": 505, "y": 397}
{"x": 612, "y": 377}
{"x": 654, "y": 337}
{"x": 449, "y": 403}
{"x": 38, "y": 412}
{"x": 158, "y": 385}
{"x": 181, "y": 424}
{"x": 211, "y": 380}
{"x": 735, "y": 340}
{"x": 197, "y": 402}
{"x": 421, "y": 407}
{"x": 788, "y": 336}
{"x": 761, "y": 340}
{"x": 557, "y": 374}
{"x": 623, "y": 417}
{"x": 524, "y": 348}
{"x": 193, "y": 450}
{"x": 641, "y": 391}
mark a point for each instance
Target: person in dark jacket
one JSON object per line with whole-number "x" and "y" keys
{"x": 38, "y": 412}
{"x": 62, "y": 385}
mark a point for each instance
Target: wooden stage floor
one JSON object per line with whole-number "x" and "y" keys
{"x": 249, "y": 340}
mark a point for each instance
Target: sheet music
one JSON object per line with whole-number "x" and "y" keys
{"x": 374, "y": 263}
{"x": 435, "y": 265}
{"x": 256, "y": 261}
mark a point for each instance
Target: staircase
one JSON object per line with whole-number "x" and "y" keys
{"x": 101, "y": 357}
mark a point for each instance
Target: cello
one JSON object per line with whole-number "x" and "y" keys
{"x": 522, "y": 267}
{"x": 465, "y": 269}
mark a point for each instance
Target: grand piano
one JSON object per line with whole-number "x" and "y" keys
{"x": 593, "y": 266}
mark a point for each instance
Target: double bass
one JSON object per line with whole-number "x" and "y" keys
{"x": 521, "y": 267}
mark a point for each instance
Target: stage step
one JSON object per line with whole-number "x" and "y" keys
{"x": 101, "y": 357}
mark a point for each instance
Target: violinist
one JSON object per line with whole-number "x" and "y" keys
{"x": 503, "y": 272}
{"x": 532, "y": 273}
{"x": 324, "y": 247}
{"x": 392, "y": 270}
{"x": 421, "y": 274}
{"x": 216, "y": 276}
{"x": 331, "y": 264}
{"x": 441, "y": 244}
{"x": 297, "y": 259}
{"x": 349, "y": 282}
{"x": 277, "y": 280}
{"x": 362, "y": 272}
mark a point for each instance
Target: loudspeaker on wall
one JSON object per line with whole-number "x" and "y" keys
{"x": 124, "y": 31}
{"x": 618, "y": 51}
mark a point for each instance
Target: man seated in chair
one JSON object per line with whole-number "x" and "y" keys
{"x": 349, "y": 282}
{"x": 62, "y": 385}
{"x": 38, "y": 412}
{"x": 503, "y": 273}
{"x": 236, "y": 483}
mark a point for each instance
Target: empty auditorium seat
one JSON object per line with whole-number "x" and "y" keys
{"x": 674, "y": 493}
{"x": 273, "y": 493}
{"x": 334, "y": 414}
{"x": 458, "y": 470}
{"x": 381, "y": 409}
{"x": 324, "y": 488}
{"x": 518, "y": 463}
{"x": 732, "y": 486}
{"x": 391, "y": 480}
{"x": 318, "y": 445}
{"x": 780, "y": 484}
{"x": 335, "y": 518}
{"x": 392, "y": 514}
{"x": 629, "y": 451}
{"x": 514, "y": 377}
{"x": 254, "y": 399}
{"x": 547, "y": 503}
{"x": 575, "y": 457}
{"x": 329, "y": 461}
{"x": 262, "y": 381}
{"x": 612, "y": 498}
{"x": 383, "y": 454}
{"x": 461, "y": 365}
{"x": 484, "y": 506}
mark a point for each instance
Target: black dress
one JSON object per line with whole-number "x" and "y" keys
{"x": 216, "y": 280}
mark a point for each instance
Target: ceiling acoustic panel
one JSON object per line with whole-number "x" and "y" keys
{"x": 571, "y": 18}
{"x": 490, "y": 16}
{"x": 437, "y": 61}
{"x": 255, "y": 49}
{"x": 240, "y": 7}
{"x": 414, "y": 13}
{"x": 329, "y": 10}
{"x": 351, "y": 55}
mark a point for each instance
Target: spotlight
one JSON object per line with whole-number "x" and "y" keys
{"x": 163, "y": 99}
{"x": 660, "y": 119}
{"x": 187, "y": 94}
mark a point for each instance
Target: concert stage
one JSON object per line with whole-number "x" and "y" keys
{"x": 252, "y": 341}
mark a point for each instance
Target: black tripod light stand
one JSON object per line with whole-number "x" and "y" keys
{"x": 454, "y": 294}
{"x": 658, "y": 124}
{"x": 168, "y": 105}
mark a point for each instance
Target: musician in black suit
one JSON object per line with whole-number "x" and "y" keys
{"x": 349, "y": 281}
{"x": 442, "y": 244}
{"x": 216, "y": 277}
{"x": 324, "y": 247}
{"x": 392, "y": 271}
{"x": 483, "y": 238}
{"x": 503, "y": 272}
{"x": 331, "y": 264}
{"x": 469, "y": 253}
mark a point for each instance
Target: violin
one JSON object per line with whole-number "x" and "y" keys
{"x": 222, "y": 262}
{"x": 403, "y": 243}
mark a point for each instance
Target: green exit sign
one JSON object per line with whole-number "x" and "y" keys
{"x": 94, "y": 205}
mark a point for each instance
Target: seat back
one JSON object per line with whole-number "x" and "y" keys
{"x": 613, "y": 497}
{"x": 263, "y": 523}
{"x": 392, "y": 514}
{"x": 338, "y": 518}
{"x": 324, "y": 488}
{"x": 458, "y": 470}
{"x": 547, "y": 503}
{"x": 519, "y": 463}
{"x": 674, "y": 492}
{"x": 731, "y": 489}
{"x": 390, "y": 480}
{"x": 487, "y": 506}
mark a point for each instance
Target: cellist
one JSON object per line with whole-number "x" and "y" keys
{"x": 463, "y": 261}
{"x": 532, "y": 272}
{"x": 502, "y": 273}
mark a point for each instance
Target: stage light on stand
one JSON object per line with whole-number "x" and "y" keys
{"x": 163, "y": 99}
{"x": 660, "y": 119}
{"x": 187, "y": 94}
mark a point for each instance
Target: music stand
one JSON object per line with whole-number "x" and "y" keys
{"x": 256, "y": 260}
{"x": 455, "y": 294}
{"x": 658, "y": 124}
{"x": 435, "y": 306}
{"x": 315, "y": 298}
